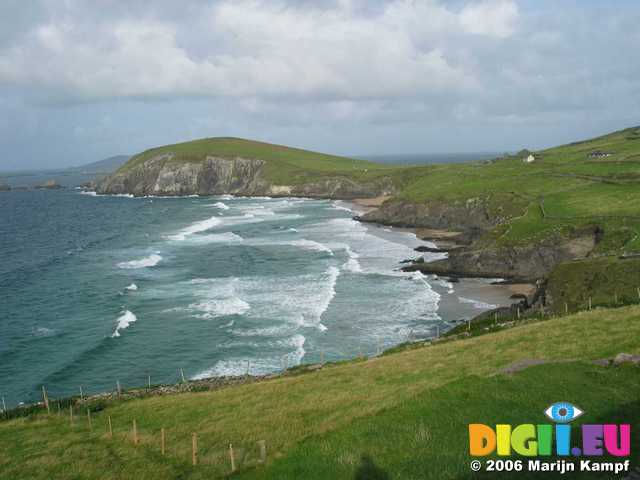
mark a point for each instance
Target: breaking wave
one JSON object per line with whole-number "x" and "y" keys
{"x": 126, "y": 319}
{"x": 150, "y": 261}
{"x": 197, "y": 227}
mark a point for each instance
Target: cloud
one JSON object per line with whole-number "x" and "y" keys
{"x": 493, "y": 17}
{"x": 337, "y": 75}
{"x": 256, "y": 48}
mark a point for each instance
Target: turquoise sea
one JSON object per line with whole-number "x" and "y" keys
{"x": 99, "y": 289}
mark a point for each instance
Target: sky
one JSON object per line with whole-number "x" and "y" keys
{"x": 85, "y": 80}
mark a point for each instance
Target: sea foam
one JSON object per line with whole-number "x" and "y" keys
{"x": 150, "y": 261}
{"x": 124, "y": 320}
{"x": 197, "y": 227}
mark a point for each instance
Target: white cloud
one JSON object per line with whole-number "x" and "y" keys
{"x": 257, "y": 48}
{"x": 490, "y": 17}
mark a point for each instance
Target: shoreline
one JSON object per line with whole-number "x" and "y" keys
{"x": 488, "y": 292}
{"x": 445, "y": 241}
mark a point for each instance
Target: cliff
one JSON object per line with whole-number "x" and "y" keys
{"x": 250, "y": 170}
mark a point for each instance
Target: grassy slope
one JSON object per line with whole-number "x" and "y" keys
{"x": 330, "y": 417}
{"x": 576, "y": 190}
{"x": 285, "y": 165}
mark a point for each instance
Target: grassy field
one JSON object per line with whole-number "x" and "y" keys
{"x": 402, "y": 415}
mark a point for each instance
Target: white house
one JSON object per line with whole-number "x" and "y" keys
{"x": 529, "y": 159}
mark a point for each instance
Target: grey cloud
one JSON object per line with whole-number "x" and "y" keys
{"x": 85, "y": 79}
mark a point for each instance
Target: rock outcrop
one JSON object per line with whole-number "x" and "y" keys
{"x": 526, "y": 262}
{"x": 472, "y": 214}
{"x": 160, "y": 175}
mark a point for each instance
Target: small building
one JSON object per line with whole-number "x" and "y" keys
{"x": 599, "y": 154}
{"x": 529, "y": 159}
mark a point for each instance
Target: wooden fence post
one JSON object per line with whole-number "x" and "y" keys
{"x": 4, "y": 405}
{"x": 566, "y": 308}
{"x": 615, "y": 298}
{"x": 162, "y": 441}
{"x": 71, "y": 414}
{"x": 81, "y": 395}
{"x": 263, "y": 450}
{"x": 149, "y": 382}
{"x": 45, "y": 398}
{"x": 589, "y": 303}
{"x": 469, "y": 325}
{"x": 495, "y": 318}
{"x": 233, "y": 460}
{"x": 194, "y": 449}
{"x": 248, "y": 364}
{"x": 110, "y": 427}
{"x": 437, "y": 331}
{"x": 118, "y": 388}
{"x": 518, "y": 312}
{"x": 89, "y": 420}
{"x": 638, "y": 289}
{"x": 135, "y": 432}
{"x": 321, "y": 357}
{"x": 182, "y": 375}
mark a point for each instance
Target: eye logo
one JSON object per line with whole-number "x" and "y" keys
{"x": 563, "y": 412}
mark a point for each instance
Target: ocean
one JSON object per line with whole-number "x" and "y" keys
{"x": 100, "y": 289}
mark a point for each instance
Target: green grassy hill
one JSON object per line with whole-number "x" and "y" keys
{"x": 564, "y": 188}
{"x": 285, "y": 165}
{"x": 397, "y": 416}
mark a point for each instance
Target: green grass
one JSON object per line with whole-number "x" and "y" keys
{"x": 425, "y": 437}
{"x": 311, "y": 418}
{"x": 284, "y": 165}
{"x": 607, "y": 280}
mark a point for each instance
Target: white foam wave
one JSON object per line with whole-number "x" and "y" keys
{"x": 43, "y": 332}
{"x": 327, "y": 292}
{"x": 338, "y": 205}
{"x": 352, "y": 265}
{"x": 132, "y": 288}
{"x": 297, "y": 341}
{"x": 197, "y": 227}
{"x": 227, "y": 237}
{"x": 150, "y": 261}
{"x": 237, "y": 367}
{"x": 308, "y": 245}
{"x": 233, "y": 368}
{"x": 96, "y": 194}
{"x": 126, "y": 319}
{"x": 220, "y": 205}
{"x": 480, "y": 305}
{"x": 219, "y": 307}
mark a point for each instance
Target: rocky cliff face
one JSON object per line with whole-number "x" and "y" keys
{"x": 473, "y": 218}
{"x": 526, "y": 262}
{"x": 469, "y": 215}
{"x": 215, "y": 176}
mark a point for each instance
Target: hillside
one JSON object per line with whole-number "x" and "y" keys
{"x": 403, "y": 415}
{"x": 520, "y": 220}
{"x": 104, "y": 166}
{"x": 234, "y": 165}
